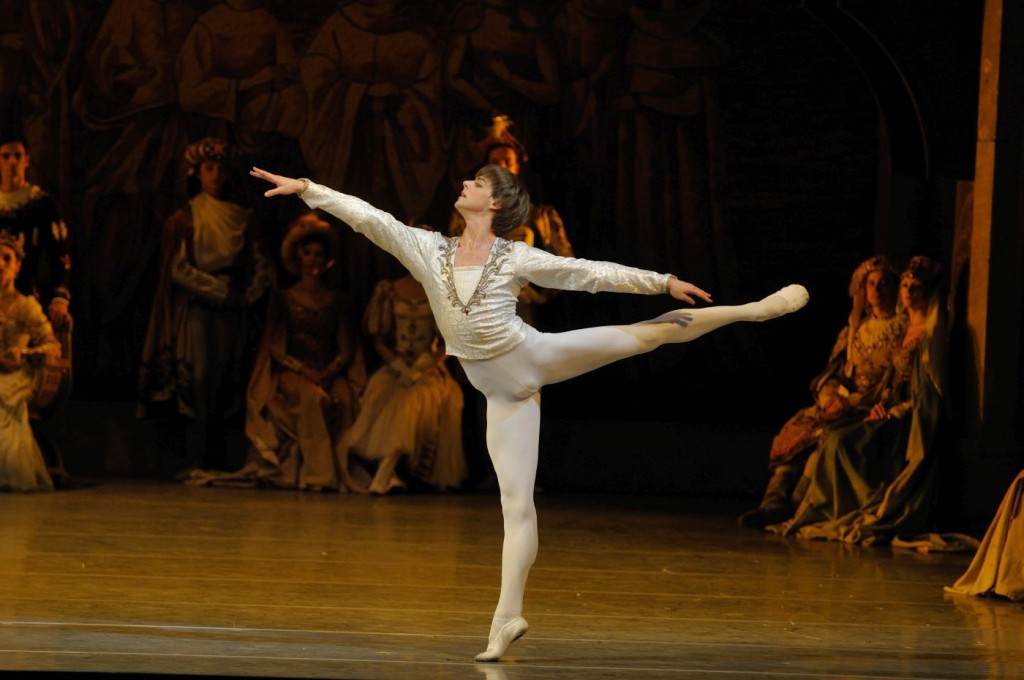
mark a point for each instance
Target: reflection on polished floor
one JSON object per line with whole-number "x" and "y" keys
{"x": 150, "y": 577}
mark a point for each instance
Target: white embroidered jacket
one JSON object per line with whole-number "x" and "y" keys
{"x": 486, "y": 325}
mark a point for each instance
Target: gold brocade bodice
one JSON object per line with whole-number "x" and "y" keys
{"x": 903, "y": 357}
{"x": 872, "y": 349}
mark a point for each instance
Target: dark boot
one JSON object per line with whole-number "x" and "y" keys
{"x": 777, "y": 504}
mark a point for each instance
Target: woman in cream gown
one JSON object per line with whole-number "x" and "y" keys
{"x": 24, "y": 332}
{"x": 409, "y": 427}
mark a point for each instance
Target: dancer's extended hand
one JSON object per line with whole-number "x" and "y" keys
{"x": 282, "y": 185}
{"x": 681, "y": 290}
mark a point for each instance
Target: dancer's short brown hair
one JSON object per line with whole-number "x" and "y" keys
{"x": 513, "y": 200}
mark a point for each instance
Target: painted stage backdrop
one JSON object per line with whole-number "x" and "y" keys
{"x": 627, "y": 111}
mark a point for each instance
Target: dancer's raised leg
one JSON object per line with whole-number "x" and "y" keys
{"x": 560, "y": 356}
{"x": 783, "y": 301}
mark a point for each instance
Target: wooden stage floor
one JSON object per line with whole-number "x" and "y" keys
{"x": 151, "y": 577}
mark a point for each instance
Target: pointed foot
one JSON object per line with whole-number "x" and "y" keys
{"x": 507, "y": 634}
{"x": 795, "y": 295}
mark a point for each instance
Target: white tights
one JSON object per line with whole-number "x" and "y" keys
{"x": 511, "y": 383}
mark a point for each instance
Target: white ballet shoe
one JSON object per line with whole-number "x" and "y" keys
{"x": 506, "y": 635}
{"x": 795, "y": 295}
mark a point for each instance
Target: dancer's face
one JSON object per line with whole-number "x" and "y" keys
{"x": 475, "y": 196}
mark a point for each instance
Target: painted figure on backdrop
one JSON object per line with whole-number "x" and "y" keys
{"x": 213, "y": 269}
{"x": 39, "y": 43}
{"x": 409, "y": 431}
{"x": 25, "y": 338}
{"x": 373, "y": 74}
{"x": 309, "y": 371}
{"x": 875, "y": 479}
{"x": 472, "y": 282}
{"x": 668, "y": 166}
{"x": 128, "y": 102}
{"x": 590, "y": 44}
{"x": 239, "y": 68}
{"x": 500, "y": 61}
{"x": 851, "y": 384}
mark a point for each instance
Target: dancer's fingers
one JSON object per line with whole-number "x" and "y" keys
{"x": 702, "y": 294}
{"x": 282, "y": 185}
{"x": 683, "y": 290}
{"x": 262, "y": 174}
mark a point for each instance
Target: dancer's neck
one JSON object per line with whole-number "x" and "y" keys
{"x": 475, "y": 242}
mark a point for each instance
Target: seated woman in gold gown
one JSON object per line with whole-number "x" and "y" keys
{"x": 997, "y": 569}
{"x": 409, "y": 430}
{"x": 308, "y": 375}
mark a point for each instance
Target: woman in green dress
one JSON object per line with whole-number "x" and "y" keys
{"x": 875, "y": 479}
{"x": 844, "y": 392}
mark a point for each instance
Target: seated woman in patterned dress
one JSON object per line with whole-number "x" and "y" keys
{"x": 409, "y": 428}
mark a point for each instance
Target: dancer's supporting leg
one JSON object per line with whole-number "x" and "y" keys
{"x": 513, "y": 432}
{"x": 512, "y": 382}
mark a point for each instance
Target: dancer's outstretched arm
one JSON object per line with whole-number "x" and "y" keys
{"x": 594, "y": 276}
{"x": 414, "y": 248}
{"x": 677, "y": 288}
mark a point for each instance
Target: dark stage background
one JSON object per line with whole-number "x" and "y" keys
{"x": 740, "y": 144}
